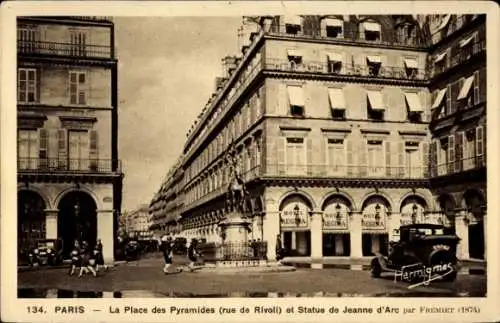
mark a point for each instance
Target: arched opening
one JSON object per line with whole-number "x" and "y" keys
{"x": 30, "y": 220}
{"x": 375, "y": 237}
{"x": 413, "y": 210}
{"x": 295, "y": 226}
{"x": 77, "y": 220}
{"x": 475, "y": 205}
{"x": 336, "y": 237}
{"x": 447, "y": 206}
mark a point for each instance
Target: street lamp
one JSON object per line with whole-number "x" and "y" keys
{"x": 414, "y": 213}
{"x": 296, "y": 212}
{"x": 337, "y": 216}
{"x": 377, "y": 214}
{"x": 76, "y": 209}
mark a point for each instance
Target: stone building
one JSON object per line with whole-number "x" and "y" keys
{"x": 69, "y": 174}
{"x": 332, "y": 118}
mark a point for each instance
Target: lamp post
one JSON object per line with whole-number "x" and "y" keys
{"x": 414, "y": 213}
{"x": 337, "y": 216}
{"x": 76, "y": 209}
{"x": 377, "y": 214}
{"x": 296, "y": 213}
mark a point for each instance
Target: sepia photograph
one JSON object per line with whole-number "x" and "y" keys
{"x": 279, "y": 155}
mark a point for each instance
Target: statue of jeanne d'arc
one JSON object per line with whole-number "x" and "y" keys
{"x": 236, "y": 190}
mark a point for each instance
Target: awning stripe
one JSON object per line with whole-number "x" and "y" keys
{"x": 439, "y": 98}
{"x": 411, "y": 63}
{"x": 466, "y": 88}
{"x": 414, "y": 104}
{"x": 337, "y": 100}
{"x": 295, "y": 95}
{"x": 376, "y": 100}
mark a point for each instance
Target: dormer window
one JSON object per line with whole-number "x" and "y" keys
{"x": 374, "y": 63}
{"x": 296, "y": 101}
{"x": 334, "y": 28}
{"x": 334, "y": 63}
{"x": 415, "y": 108}
{"x": 293, "y": 25}
{"x": 406, "y": 33}
{"x": 372, "y": 31}
{"x": 294, "y": 58}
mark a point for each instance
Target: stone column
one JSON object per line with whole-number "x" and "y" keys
{"x": 271, "y": 230}
{"x": 105, "y": 233}
{"x": 316, "y": 239}
{"x": 355, "y": 235}
{"x": 51, "y": 224}
{"x": 462, "y": 231}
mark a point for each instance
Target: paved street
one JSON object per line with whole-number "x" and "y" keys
{"x": 145, "y": 277}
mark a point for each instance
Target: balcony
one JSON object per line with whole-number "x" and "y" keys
{"x": 350, "y": 37}
{"x": 346, "y": 171}
{"x": 67, "y": 166}
{"x": 464, "y": 55}
{"x": 463, "y": 165}
{"x": 357, "y": 70}
{"x": 49, "y": 48}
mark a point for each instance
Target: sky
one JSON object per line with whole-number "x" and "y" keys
{"x": 166, "y": 73}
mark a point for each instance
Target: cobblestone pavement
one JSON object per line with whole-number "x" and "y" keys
{"x": 146, "y": 275}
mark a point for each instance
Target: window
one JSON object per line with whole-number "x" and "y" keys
{"x": 27, "y": 85}
{"x": 415, "y": 108}
{"x": 440, "y": 62}
{"x": 78, "y": 88}
{"x": 467, "y": 44}
{"x": 374, "y": 63}
{"x": 466, "y": 96}
{"x": 376, "y": 107}
{"x": 78, "y": 149}
{"x": 293, "y": 24}
{"x": 296, "y": 101}
{"x": 295, "y": 156}
{"x": 27, "y": 148}
{"x": 411, "y": 67}
{"x": 413, "y": 159}
{"x": 334, "y": 63}
{"x": 333, "y": 27}
{"x": 78, "y": 40}
{"x": 372, "y": 31}
{"x": 336, "y": 156}
{"x": 406, "y": 33}
{"x": 337, "y": 103}
{"x": 376, "y": 161}
{"x": 28, "y": 38}
{"x": 294, "y": 58}
{"x": 438, "y": 106}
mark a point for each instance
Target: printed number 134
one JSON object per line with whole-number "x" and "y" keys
{"x": 35, "y": 309}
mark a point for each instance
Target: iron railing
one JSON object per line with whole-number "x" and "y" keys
{"x": 57, "y": 165}
{"x": 458, "y": 166}
{"x": 214, "y": 251}
{"x": 63, "y": 49}
{"x": 349, "y": 171}
{"x": 460, "y": 57}
{"x": 329, "y": 68}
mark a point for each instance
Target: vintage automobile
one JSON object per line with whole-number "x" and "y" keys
{"x": 424, "y": 251}
{"x": 47, "y": 252}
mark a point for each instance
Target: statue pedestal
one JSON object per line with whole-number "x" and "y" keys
{"x": 235, "y": 228}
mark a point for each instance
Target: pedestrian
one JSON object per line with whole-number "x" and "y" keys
{"x": 99, "y": 258}
{"x": 192, "y": 254}
{"x": 85, "y": 258}
{"x": 75, "y": 257}
{"x": 279, "y": 249}
{"x": 168, "y": 253}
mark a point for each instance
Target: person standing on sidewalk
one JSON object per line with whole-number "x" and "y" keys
{"x": 168, "y": 253}
{"x": 192, "y": 254}
{"x": 99, "y": 258}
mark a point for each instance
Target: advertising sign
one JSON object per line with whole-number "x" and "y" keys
{"x": 295, "y": 215}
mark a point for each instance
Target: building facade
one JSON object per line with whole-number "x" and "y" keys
{"x": 137, "y": 221}
{"x": 330, "y": 118}
{"x": 69, "y": 174}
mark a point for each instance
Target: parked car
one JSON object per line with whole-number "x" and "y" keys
{"x": 47, "y": 252}
{"x": 132, "y": 250}
{"x": 180, "y": 246}
{"x": 423, "y": 251}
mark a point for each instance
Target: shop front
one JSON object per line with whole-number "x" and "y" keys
{"x": 295, "y": 228}
{"x": 336, "y": 237}
{"x": 375, "y": 237}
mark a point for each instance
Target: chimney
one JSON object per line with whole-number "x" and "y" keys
{"x": 229, "y": 64}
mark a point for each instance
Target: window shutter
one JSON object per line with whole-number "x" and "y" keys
{"x": 482, "y": 84}
{"x": 448, "y": 100}
{"x": 280, "y": 147}
{"x": 459, "y": 151}
{"x": 432, "y": 158}
{"x": 43, "y": 147}
{"x": 350, "y": 157}
{"x": 362, "y": 157}
{"x": 476, "y": 87}
{"x": 309, "y": 164}
{"x": 401, "y": 158}
{"x": 479, "y": 146}
{"x": 73, "y": 88}
{"x": 62, "y": 149}
{"x": 425, "y": 159}
{"x": 323, "y": 159}
{"x": 93, "y": 151}
{"x": 451, "y": 154}
{"x": 388, "y": 169}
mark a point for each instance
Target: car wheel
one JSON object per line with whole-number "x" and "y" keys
{"x": 375, "y": 269}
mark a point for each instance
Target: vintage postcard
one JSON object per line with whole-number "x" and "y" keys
{"x": 249, "y": 161}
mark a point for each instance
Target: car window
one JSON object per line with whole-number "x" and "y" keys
{"x": 439, "y": 232}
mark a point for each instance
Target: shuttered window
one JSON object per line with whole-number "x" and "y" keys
{"x": 27, "y": 85}
{"x": 78, "y": 88}
{"x": 480, "y": 146}
{"x": 451, "y": 154}
{"x": 459, "y": 151}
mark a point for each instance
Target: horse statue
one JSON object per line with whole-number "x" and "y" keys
{"x": 236, "y": 193}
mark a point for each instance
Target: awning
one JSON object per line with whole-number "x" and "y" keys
{"x": 376, "y": 100}
{"x": 371, "y": 26}
{"x": 444, "y": 23}
{"x": 411, "y": 63}
{"x": 293, "y": 20}
{"x": 294, "y": 53}
{"x": 295, "y": 96}
{"x": 332, "y": 22}
{"x": 374, "y": 59}
{"x": 439, "y": 98}
{"x": 440, "y": 57}
{"x": 467, "y": 40}
{"x": 465, "y": 88}
{"x": 336, "y": 98}
{"x": 334, "y": 57}
{"x": 414, "y": 104}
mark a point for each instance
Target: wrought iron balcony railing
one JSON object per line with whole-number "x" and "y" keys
{"x": 330, "y": 68}
{"x": 461, "y": 57}
{"x": 56, "y": 165}
{"x": 461, "y": 165}
{"x": 346, "y": 171}
{"x": 50, "y": 48}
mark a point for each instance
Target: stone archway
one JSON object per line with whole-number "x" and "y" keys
{"x": 335, "y": 229}
{"x": 77, "y": 219}
{"x": 30, "y": 219}
{"x": 474, "y": 203}
{"x": 295, "y": 225}
{"x": 447, "y": 206}
{"x": 374, "y": 224}
{"x": 413, "y": 210}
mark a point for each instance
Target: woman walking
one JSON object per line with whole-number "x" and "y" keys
{"x": 192, "y": 254}
{"x": 99, "y": 258}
